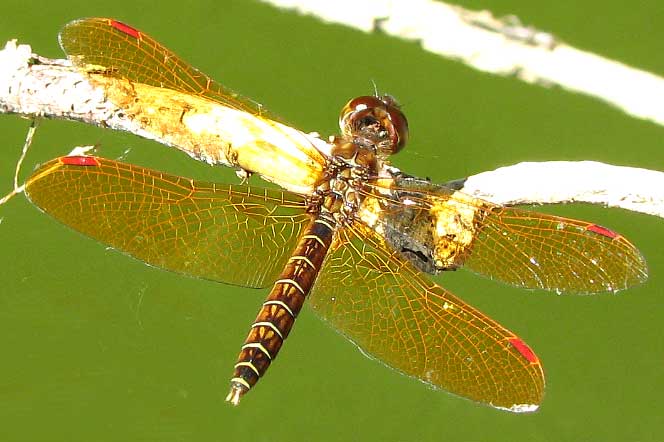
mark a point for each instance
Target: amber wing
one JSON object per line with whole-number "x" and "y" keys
{"x": 530, "y": 249}
{"x": 536, "y": 250}
{"x": 231, "y": 233}
{"x": 120, "y": 50}
{"x": 394, "y": 313}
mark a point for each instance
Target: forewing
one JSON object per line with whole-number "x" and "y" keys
{"x": 230, "y": 233}
{"x": 524, "y": 248}
{"x": 394, "y": 313}
{"x": 123, "y": 51}
{"x": 536, "y": 250}
{"x": 166, "y": 99}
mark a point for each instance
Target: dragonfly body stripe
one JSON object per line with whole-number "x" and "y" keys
{"x": 270, "y": 325}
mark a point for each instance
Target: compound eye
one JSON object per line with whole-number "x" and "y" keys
{"x": 379, "y": 116}
{"x": 399, "y": 126}
{"x": 357, "y": 104}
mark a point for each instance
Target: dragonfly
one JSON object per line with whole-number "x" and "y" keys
{"x": 346, "y": 230}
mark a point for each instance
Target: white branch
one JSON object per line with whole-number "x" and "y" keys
{"x": 499, "y": 46}
{"x": 35, "y": 86}
{"x": 552, "y": 182}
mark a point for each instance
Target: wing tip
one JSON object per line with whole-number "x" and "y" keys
{"x": 518, "y": 408}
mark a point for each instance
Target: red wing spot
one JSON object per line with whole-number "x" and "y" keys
{"x": 602, "y": 231}
{"x": 126, "y": 29}
{"x": 525, "y": 351}
{"x": 80, "y": 160}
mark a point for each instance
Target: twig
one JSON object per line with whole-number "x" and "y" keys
{"x": 38, "y": 87}
{"x": 502, "y": 46}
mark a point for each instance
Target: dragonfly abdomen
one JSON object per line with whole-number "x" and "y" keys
{"x": 277, "y": 315}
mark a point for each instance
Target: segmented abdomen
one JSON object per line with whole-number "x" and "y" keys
{"x": 277, "y": 315}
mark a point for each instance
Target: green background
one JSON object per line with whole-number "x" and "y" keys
{"x": 99, "y": 347}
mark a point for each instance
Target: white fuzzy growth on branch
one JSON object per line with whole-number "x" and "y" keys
{"x": 35, "y": 86}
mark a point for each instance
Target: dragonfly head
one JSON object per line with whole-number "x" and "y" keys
{"x": 375, "y": 120}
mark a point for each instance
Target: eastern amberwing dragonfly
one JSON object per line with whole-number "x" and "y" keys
{"x": 349, "y": 232}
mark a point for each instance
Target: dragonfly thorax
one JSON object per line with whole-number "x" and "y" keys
{"x": 340, "y": 195}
